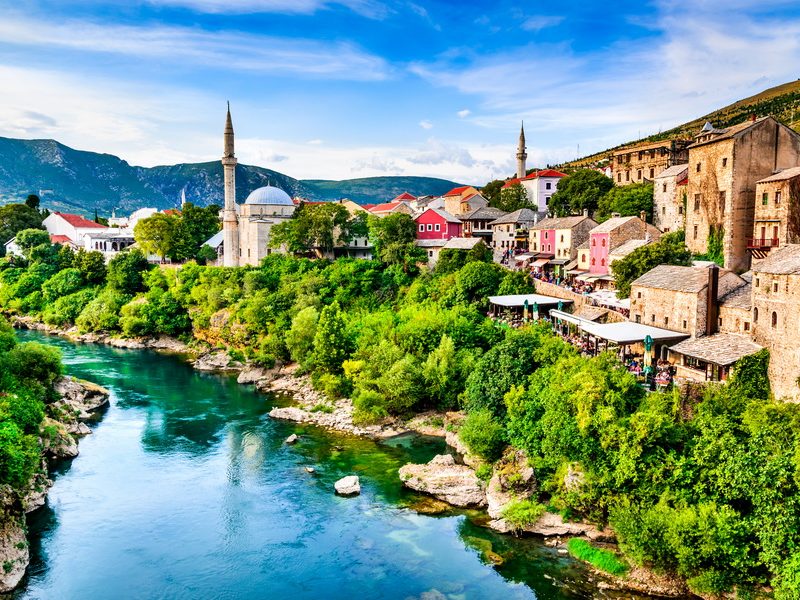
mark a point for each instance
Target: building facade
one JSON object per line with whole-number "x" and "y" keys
{"x": 561, "y": 235}
{"x": 613, "y": 233}
{"x": 435, "y": 224}
{"x": 776, "y": 219}
{"x": 511, "y": 231}
{"x": 642, "y": 162}
{"x": 669, "y": 198}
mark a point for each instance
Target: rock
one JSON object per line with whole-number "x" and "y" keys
{"x": 83, "y": 396}
{"x": 427, "y": 505}
{"x": 452, "y": 440}
{"x": 291, "y": 439}
{"x": 59, "y": 443}
{"x": 310, "y": 470}
{"x": 256, "y": 375}
{"x": 218, "y": 360}
{"x": 551, "y": 524}
{"x": 445, "y": 480}
{"x": 512, "y": 480}
{"x": 36, "y": 495}
{"x": 348, "y": 486}
{"x": 14, "y": 554}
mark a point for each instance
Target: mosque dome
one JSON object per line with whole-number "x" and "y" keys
{"x": 269, "y": 195}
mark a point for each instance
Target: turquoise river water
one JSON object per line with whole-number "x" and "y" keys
{"x": 185, "y": 489}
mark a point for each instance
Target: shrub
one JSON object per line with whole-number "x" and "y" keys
{"x": 65, "y": 310}
{"x": 522, "y": 514}
{"x": 102, "y": 313}
{"x": 483, "y": 435}
{"x": 605, "y": 560}
{"x": 368, "y": 408}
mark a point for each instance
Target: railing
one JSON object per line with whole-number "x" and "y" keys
{"x": 762, "y": 242}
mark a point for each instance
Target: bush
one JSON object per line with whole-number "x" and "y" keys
{"x": 605, "y": 560}
{"x": 63, "y": 283}
{"x": 483, "y": 435}
{"x": 522, "y": 514}
{"x": 102, "y": 313}
{"x": 368, "y": 408}
{"x": 65, "y": 310}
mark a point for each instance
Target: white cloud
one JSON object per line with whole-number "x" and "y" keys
{"x": 539, "y": 22}
{"x": 463, "y": 114}
{"x": 314, "y": 142}
{"x": 223, "y": 49}
{"x": 425, "y": 124}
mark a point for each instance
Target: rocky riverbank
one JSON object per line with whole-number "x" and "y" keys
{"x": 64, "y": 424}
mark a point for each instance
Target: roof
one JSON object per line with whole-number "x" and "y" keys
{"x": 590, "y": 313}
{"x": 457, "y": 191}
{"x": 269, "y": 194}
{"x": 511, "y": 182}
{"x": 113, "y": 233}
{"x": 675, "y": 278}
{"x": 79, "y": 221}
{"x": 172, "y": 212}
{"x": 720, "y": 349}
{"x": 729, "y": 132}
{"x": 560, "y": 222}
{"x": 471, "y": 196}
{"x": 368, "y": 206}
{"x": 215, "y": 241}
{"x": 518, "y": 216}
{"x": 484, "y": 213}
{"x": 673, "y": 171}
{"x": 424, "y": 243}
{"x": 386, "y": 206}
{"x": 647, "y": 146}
{"x": 612, "y": 224}
{"x": 628, "y": 332}
{"x": 781, "y": 261}
{"x": 442, "y": 213}
{"x": 462, "y": 243}
{"x": 782, "y": 175}
{"x": 404, "y": 196}
{"x": 545, "y": 173}
{"x": 55, "y": 239}
{"x": 515, "y": 300}
{"x": 627, "y": 247}
{"x": 740, "y": 297}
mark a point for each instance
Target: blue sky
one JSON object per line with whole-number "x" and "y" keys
{"x": 338, "y": 89}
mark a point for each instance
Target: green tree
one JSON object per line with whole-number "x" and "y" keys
{"x": 477, "y": 280}
{"x": 513, "y": 198}
{"x": 126, "y": 272}
{"x": 580, "y": 191}
{"x": 206, "y": 255}
{"x": 157, "y": 234}
{"x": 32, "y": 201}
{"x": 13, "y": 219}
{"x": 318, "y": 227}
{"x": 331, "y": 343}
{"x": 92, "y": 266}
{"x": 669, "y": 250}
{"x": 194, "y": 226}
{"x": 27, "y": 239}
{"x": 394, "y": 237}
{"x": 491, "y": 191}
{"x": 627, "y": 200}
{"x": 300, "y": 337}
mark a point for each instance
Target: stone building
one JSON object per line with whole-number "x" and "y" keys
{"x": 642, "y": 162}
{"x": 388, "y": 208}
{"x": 511, "y": 231}
{"x": 669, "y": 198}
{"x": 776, "y": 221}
{"x": 477, "y": 223}
{"x": 246, "y": 227}
{"x": 724, "y": 166}
{"x": 561, "y": 237}
{"x": 776, "y": 317}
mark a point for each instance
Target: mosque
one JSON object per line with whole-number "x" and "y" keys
{"x": 246, "y": 227}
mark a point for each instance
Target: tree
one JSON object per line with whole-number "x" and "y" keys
{"x": 156, "y": 234}
{"x": 92, "y": 266}
{"x": 195, "y": 225}
{"x": 13, "y": 219}
{"x": 206, "y": 254}
{"x": 28, "y": 239}
{"x": 331, "y": 344}
{"x": 126, "y": 272}
{"x": 627, "y": 200}
{"x": 32, "y": 201}
{"x": 513, "y": 198}
{"x": 394, "y": 237}
{"x": 491, "y": 191}
{"x": 669, "y": 250}
{"x": 580, "y": 191}
{"x": 317, "y": 227}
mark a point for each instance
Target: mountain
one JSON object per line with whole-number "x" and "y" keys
{"x": 80, "y": 181}
{"x": 781, "y": 102}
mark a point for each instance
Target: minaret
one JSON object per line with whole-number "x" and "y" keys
{"x": 521, "y": 155}
{"x": 230, "y": 222}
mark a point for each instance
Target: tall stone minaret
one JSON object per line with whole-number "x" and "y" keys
{"x": 230, "y": 222}
{"x": 521, "y": 155}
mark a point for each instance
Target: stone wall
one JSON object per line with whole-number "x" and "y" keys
{"x": 668, "y": 204}
{"x": 678, "y": 311}
{"x": 555, "y": 291}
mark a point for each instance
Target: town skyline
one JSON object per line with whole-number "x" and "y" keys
{"x": 148, "y": 82}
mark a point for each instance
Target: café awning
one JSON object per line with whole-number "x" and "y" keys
{"x": 540, "y": 262}
{"x": 518, "y": 300}
{"x": 523, "y": 257}
{"x": 628, "y": 332}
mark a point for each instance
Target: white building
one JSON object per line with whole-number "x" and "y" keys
{"x": 73, "y": 227}
{"x": 539, "y": 186}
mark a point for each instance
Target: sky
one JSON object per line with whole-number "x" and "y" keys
{"x": 339, "y": 89}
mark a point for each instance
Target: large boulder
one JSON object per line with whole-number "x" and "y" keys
{"x": 512, "y": 480}
{"x": 219, "y": 360}
{"x": 553, "y": 525}
{"x": 81, "y": 396}
{"x": 348, "y": 486}
{"x": 444, "y": 479}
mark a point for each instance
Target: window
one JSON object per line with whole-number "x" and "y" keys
{"x": 602, "y": 262}
{"x": 666, "y": 321}
{"x": 774, "y": 286}
{"x": 663, "y": 210}
{"x": 747, "y": 325}
{"x": 680, "y": 209}
{"x": 548, "y": 185}
{"x": 684, "y": 324}
{"x": 652, "y": 318}
{"x": 696, "y": 202}
{"x": 777, "y": 197}
{"x": 639, "y": 174}
{"x": 758, "y": 281}
{"x": 562, "y": 237}
{"x": 724, "y": 162}
{"x": 627, "y": 175}
{"x": 638, "y": 318}
{"x": 594, "y": 261}
{"x": 619, "y": 177}
{"x": 594, "y": 242}
{"x": 436, "y": 227}
{"x": 430, "y": 227}
{"x": 697, "y": 168}
{"x": 694, "y": 233}
{"x": 774, "y": 319}
{"x": 664, "y": 188}
{"x": 719, "y": 322}
{"x": 652, "y": 172}
{"x": 603, "y": 242}
{"x": 639, "y": 294}
{"x": 765, "y": 199}
{"x": 545, "y": 235}
{"x": 641, "y": 155}
{"x": 421, "y": 227}
{"x": 755, "y": 315}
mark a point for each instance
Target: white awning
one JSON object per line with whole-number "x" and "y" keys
{"x": 540, "y": 262}
{"x": 522, "y": 257}
{"x": 569, "y": 318}
{"x": 518, "y": 300}
{"x": 629, "y": 332}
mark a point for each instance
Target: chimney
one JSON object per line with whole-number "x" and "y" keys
{"x": 643, "y": 217}
{"x": 585, "y": 212}
{"x": 712, "y": 314}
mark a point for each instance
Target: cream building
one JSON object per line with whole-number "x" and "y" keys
{"x": 246, "y": 227}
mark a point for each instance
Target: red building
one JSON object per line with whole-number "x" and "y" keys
{"x": 436, "y": 224}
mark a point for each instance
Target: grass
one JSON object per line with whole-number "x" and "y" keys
{"x": 605, "y": 560}
{"x": 522, "y": 513}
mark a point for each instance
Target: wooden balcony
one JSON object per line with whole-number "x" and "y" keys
{"x": 762, "y": 243}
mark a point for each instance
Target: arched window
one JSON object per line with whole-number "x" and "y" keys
{"x": 755, "y": 315}
{"x": 603, "y": 243}
{"x": 593, "y": 261}
{"x": 774, "y": 319}
{"x": 602, "y": 262}
{"x": 594, "y": 242}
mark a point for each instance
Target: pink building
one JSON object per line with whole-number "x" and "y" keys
{"x": 437, "y": 224}
{"x": 611, "y": 234}
{"x": 546, "y": 244}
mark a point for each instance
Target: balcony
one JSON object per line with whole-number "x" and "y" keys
{"x": 762, "y": 243}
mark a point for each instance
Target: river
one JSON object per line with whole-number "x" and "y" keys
{"x": 185, "y": 489}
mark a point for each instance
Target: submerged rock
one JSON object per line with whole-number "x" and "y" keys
{"x": 445, "y": 480}
{"x": 348, "y": 486}
{"x": 291, "y": 439}
{"x": 310, "y": 470}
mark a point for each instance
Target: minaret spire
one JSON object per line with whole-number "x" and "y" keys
{"x": 230, "y": 220}
{"x": 521, "y": 154}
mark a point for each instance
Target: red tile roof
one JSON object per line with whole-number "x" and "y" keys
{"x": 545, "y": 173}
{"x": 79, "y": 221}
{"x": 405, "y": 196}
{"x": 172, "y": 211}
{"x": 511, "y": 182}
{"x": 457, "y": 191}
{"x": 385, "y": 207}
{"x": 59, "y": 239}
{"x": 368, "y": 206}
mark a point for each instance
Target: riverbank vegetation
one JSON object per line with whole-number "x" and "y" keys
{"x": 701, "y": 483}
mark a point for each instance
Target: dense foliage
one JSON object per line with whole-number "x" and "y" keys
{"x": 14, "y": 218}
{"x": 628, "y": 201}
{"x": 177, "y": 235}
{"x": 669, "y": 250}
{"x": 579, "y": 191}
{"x": 702, "y": 484}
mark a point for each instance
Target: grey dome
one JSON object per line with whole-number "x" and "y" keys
{"x": 269, "y": 195}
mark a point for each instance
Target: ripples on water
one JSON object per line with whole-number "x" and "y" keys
{"x": 186, "y": 490}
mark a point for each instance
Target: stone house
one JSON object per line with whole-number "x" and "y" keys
{"x": 776, "y": 221}
{"x": 388, "y": 208}
{"x": 669, "y": 198}
{"x": 776, "y": 317}
{"x": 465, "y": 204}
{"x": 511, "y": 231}
{"x": 724, "y": 166}
{"x": 477, "y": 223}
{"x": 452, "y": 200}
{"x": 73, "y": 227}
{"x": 560, "y": 237}
{"x": 642, "y": 162}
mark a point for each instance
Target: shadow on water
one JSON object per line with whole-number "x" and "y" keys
{"x": 186, "y": 489}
